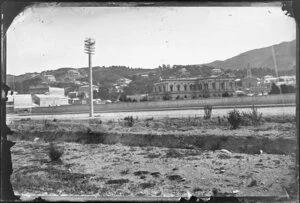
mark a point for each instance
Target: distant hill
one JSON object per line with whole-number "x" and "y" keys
{"x": 285, "y": 55}
{"x": 259, "y": 60}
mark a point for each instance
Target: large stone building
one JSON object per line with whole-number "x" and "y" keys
{"x": 194, "y": 88}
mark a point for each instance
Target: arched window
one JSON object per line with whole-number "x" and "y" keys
{"x": 222, "y": 85}
{"x": 164, "y": 88}
{"x": 178, "y": 88}
{"x": 191, "y": 87}
{"x": 171, "y": 88}
{"x": 200, "y": 86}
{"x": 214, "y": 85}
{"x": 159, "y": 88}
{"x": 185, "y": 87}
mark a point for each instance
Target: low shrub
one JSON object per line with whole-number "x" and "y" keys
{"x": 47, "y": 123}
{"x": 234, "y": 118}
{"x": 207, "y": 112}
{"x": 54, "y": 153}
{"x": 124, "y": 172}
{"x": 252, "y": 118}
{"x": 129, "y": 121}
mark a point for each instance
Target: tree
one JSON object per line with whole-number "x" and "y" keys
{"x": 167, "y": 96}
{"x": 274, "y": 89}
{"x": 287, "y": 89}
{"x": 225, "y": 94}
{"x": 81, "y": 95}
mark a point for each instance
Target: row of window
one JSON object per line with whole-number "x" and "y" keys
{"x": 192, "y": 87}
{"x": 202, "y": 95}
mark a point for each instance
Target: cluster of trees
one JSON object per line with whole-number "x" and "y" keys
{"x": 282, "y": 89}
{"x": 124, "y": 98}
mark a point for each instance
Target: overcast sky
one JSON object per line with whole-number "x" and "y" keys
{"x": 53, "y": 37}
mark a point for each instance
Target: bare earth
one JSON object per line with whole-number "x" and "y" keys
{"x": 149, "y": 171}
{"x": 116, "y": 170}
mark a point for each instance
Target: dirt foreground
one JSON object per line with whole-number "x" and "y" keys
{"x": 136, "y": 167}
{"x": 117, "y": 170}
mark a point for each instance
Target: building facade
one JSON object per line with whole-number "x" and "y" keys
{"x": 50, "y": 100}
{"x": 194, "y": 88}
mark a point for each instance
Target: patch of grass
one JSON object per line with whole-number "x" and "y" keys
{"x": 51, "y": 180}
{"x": 139, "y": 173}
{"x": 47, "y": 123}
{"x": 252, "y": 117}
{"x": 54, "y": 153}
{"x": 129, "y": 121}
{"x": 175, "y": 178}
{"x": 149, "y": 119}
{"x": 224, "y": 156}
{"x": 155, "y": 174}
{"x": 118, "y": 181}
{"x": 215, "y": 146}
{"x": 124, "y": 172}
{"x": 152, "y": 156}
{"x": 281, "y": 119}
{"x": 173, "y": 153}
{"x": 147, "y": 185}
{"x": 207, "y": 112}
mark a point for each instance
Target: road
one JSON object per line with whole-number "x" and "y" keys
{"x": 267, "y": 111}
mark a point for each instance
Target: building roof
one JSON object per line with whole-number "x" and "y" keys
{"x": 50, "y": 96}
{"x": 88, "y": 86}
{"x": 22, "y": 96}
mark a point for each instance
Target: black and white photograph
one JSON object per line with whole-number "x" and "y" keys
{"x": 155, "y": 101}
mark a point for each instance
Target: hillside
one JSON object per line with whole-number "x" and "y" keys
{"x": 285, "y": 54}
{"x": 259, "y": 60}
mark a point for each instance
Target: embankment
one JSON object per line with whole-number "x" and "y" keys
{"x": 239, "y": 144}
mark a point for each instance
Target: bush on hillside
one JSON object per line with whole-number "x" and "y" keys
{"x": 54, "y": 153}
{"x": 252, "y": 118}
{"x": 234, "y": 118}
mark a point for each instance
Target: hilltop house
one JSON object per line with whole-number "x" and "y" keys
{"x": 48, "y": 78}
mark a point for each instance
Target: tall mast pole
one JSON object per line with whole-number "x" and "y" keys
{"x": 89, "y": 49}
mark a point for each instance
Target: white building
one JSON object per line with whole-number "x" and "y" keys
{"x": 22, "y": 102}
{"x": 286, "y": 80}
{"x": 216, "y": 71}
{"x": 56, "y": 91}
{"x": 50, "y": 100}
{"x": 49, "y": 78}
{"x": 123, "y": 82}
